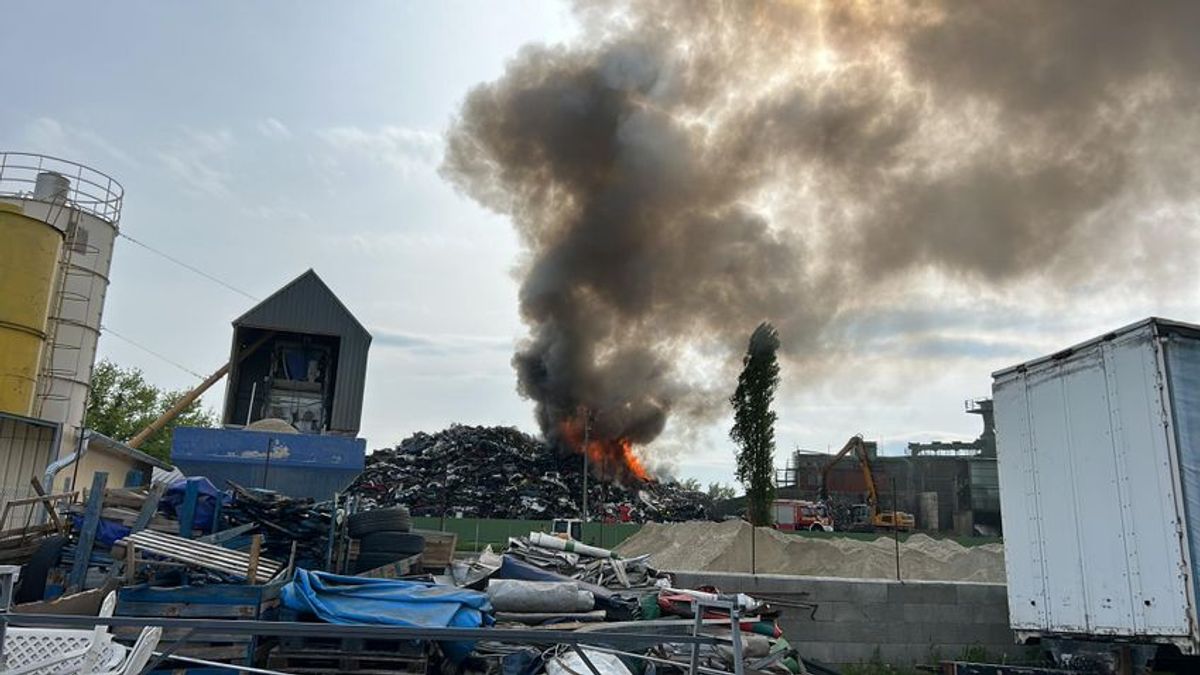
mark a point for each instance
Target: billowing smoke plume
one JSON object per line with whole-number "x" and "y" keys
{"x": 689, "y": 169}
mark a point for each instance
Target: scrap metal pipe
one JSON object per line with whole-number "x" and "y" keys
{"x": 550, "y": 541}
{"x": 190, "y": 397}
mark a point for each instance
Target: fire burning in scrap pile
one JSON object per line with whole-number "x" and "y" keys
{"x": 686, "y": 170}
{"x": 611, "y": 458}
{"x": 500, "y": 472}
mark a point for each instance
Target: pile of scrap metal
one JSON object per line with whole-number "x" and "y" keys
{"x": 500, "y": 472}
{"x": 536, "y": 604}
{"x": 183, "y": 551}
{"x": 284, "y": 521}
{"x": 581, "y": 562}
{"x": 550, "y": 583}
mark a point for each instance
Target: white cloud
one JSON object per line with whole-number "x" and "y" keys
{"x": 274, "y": 129}
{"x": 196, "y": 158}
{"x": 400, "y": 148}
{"x": 50, "y": 136}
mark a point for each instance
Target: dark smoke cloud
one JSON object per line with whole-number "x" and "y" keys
{"x": 689, "y": 169}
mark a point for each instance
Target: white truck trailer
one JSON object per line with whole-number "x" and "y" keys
{"x": 1098, "y": 448}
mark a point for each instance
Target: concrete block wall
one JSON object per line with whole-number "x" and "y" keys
{"x": 856, "y": 620}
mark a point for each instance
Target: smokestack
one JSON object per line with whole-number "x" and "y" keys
{"x": 686, "y": 170}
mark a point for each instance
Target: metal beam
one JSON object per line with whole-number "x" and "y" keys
{"x": 238, "y": 627}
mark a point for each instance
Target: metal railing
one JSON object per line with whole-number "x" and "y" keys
{"x": 91, "y": 191}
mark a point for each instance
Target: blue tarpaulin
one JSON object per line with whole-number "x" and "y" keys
{"x": 107, "y": 531}
{"x": 206, "y": 500}
{"x": 390, "y": 602}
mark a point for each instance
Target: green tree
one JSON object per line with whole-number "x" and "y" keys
{"x": 754, "y": 422}
{"x": 122, "y": 403}
{"x": 690, "y": 484}
{"x": 718, "y": 492}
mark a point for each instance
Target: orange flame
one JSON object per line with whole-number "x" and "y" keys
{"x": 612, "y": 458}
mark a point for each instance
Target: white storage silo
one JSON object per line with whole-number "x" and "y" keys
{"x": 85, "y": 205}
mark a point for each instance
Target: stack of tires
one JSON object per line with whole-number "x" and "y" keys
{"x": 383, "y": 537}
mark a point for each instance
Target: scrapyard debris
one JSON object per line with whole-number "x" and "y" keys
{"x": 283, "y": 521}
{"x": 500, "y": 472}
{"x": 605, "y": 570}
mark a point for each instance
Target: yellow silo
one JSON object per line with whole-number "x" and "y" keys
{"x": 28, "y": 264}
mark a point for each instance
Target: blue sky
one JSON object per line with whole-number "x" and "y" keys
{"x": 258, "y": 139}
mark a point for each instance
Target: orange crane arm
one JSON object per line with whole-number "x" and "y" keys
{"x": 854, "y": 443}
{"x": 864, "y": 461}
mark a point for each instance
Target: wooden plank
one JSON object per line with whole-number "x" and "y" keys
{"x": 226, "y": 535}
{"x": 209, "y": 594}
{"x": 186, "y": 610}
{"x": 171, "y": 634}
{"x": 20, "y": 534}
{"x": 216, "y": 526}
{"x": 252, "y": 563}
{"x": 149, "y": 508}
{"x": 291, "y": 644}
{"x": 187, "y": 510}
{"x": 48, "y": 502}
{"x": 216, "y": 652}
{"x": 23, "y": 501}
{"x": 87, "y": 533}
{"x": 130, "y": 498}
{"x": 130, "y": 565}
{"x": 128, "y": 517}
{"x": 395, "y": 569}
{"x": 86, "y": 603}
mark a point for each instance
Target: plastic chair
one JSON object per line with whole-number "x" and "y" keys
{"x": 101, "y": 639}
{"x": 44, "y": 651}
{"x": 139, "y": 656}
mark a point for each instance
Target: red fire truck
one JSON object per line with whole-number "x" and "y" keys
{"x": 798, "y": 514}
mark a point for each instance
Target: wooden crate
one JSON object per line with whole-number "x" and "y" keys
{"x": 395, "y": 570}
{"x": 211, "y": 601}
{"x": 439, "y": 548}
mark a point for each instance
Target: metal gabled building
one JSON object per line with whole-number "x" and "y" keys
{"x": 301, "y": 356}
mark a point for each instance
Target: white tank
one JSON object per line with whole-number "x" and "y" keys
{"x": 51, "y": 186}
{"x": 86, "y": 206}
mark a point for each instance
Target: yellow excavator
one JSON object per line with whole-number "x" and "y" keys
{"x": 866, "y": 516}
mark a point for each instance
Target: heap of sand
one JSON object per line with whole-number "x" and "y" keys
{"x": 725, "y": 547}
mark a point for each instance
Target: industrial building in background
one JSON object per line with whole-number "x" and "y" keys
{"x": 293, "y": 398}
{"x": 949, "y": 486}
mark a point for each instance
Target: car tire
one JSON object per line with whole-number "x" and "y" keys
{"x": 394, "y": 519}
{"x": 403, "y": 544}
{"x": 32, "y": 582}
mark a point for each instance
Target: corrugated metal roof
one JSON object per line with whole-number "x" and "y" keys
{"x": 98, "y": 441}
{"x": 302, "y": 303}
{"x": 307, "y": 305}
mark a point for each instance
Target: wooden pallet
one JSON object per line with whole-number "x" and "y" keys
{"x": 214, "y": 601}
{"x": 358, "y": 663}
{"x": 386, "y": 646}
{"x": 396, "y": 569}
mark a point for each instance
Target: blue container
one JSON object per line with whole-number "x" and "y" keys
{"x": 297, "y": 465}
